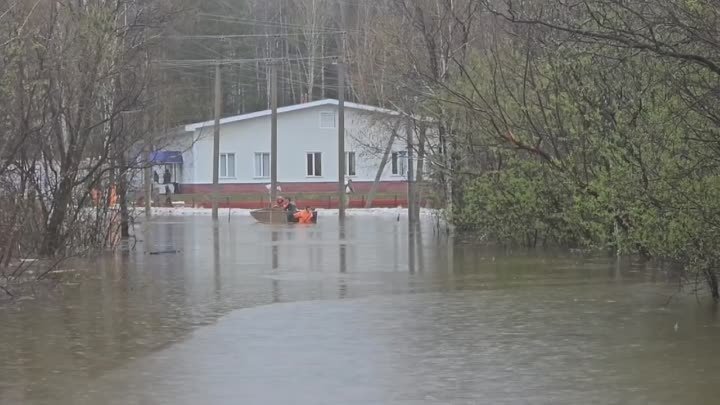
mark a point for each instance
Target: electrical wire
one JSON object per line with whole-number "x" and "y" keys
{"x": 233, "y": 36}
{"x": 228, "y": 61}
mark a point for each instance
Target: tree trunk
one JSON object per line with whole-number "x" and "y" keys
{"x": 381, "y": 169}
{"x": 122, "y": 189}
{"x": 448, "y": 178}
{"x": 419, "y": 172}
{"x": 53, "y": 233}
{"x": 712, "y": 280}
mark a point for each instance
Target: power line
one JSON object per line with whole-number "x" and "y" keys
{"x": 231, "y": 36}
{"x": 252, "y": 21}
{"x": 213, "y": 62}
{"x": 202, "y": 46}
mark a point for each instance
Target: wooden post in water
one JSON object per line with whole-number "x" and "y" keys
{"x": 273, "y": 132}
{"x": 148, "y": 182}
{"x": 410, "y": 176}
{"x": 216, "y": 144}
{"x": 341, "y": 139}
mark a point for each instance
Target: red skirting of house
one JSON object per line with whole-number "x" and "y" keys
{"x": 399, "y": 187}
{"x": 355, "y": 202}
{"x": 392, "y": 194}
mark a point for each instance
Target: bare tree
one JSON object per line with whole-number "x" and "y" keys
{"x": 79, "y": 72}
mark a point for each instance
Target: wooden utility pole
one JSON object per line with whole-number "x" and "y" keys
{"x": 341, "y": 134}
{"x": 410, "y": 175}
{"x": 216, "y": 145}
{"x": 148, "y": 181}
{"x": 322, "y": 70}
{"x": 273, "y": 131}
{"x": 242, "y": 100}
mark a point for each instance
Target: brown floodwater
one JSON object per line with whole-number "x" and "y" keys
{"x": 245, "y": 313}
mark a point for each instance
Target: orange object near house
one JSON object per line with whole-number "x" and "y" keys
{"x": 113, "y": 196}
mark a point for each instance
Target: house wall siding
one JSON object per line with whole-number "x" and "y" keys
{"x": 299, "y": 132}
{"x": 294, "y": 188}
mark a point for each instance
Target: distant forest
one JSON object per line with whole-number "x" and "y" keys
{"x": 309, "y": 36}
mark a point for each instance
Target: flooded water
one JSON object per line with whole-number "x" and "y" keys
{"x": 245, "y": 313}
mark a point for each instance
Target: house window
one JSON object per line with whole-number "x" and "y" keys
{"x": 349, "y": 163}
{"x": 399, "y": 162}
{"x": 314, "y": 164}
{"x": 328, "y": 120}
{"x": 262, "y": 165}
{"x": 227, "y": 165}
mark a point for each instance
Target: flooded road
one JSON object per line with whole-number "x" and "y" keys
{"x": 249, "y": 314}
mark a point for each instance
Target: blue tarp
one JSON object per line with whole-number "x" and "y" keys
{"x": 166, "y": 157}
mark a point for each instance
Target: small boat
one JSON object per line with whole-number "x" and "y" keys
{"x": 276, "y": 216}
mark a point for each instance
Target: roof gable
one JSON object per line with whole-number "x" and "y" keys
{"x": 290, "y": 108}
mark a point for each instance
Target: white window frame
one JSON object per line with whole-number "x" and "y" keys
{"x": 398, "y": 163}
{"x": 335, "y": 119}
{"x": 261, "y": 155}
{"x": 347, "y": 164}
{"x": 307, "y": 174}
{"x": 226, "y": 166}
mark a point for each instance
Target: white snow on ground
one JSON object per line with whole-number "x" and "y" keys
{"x": 377, "y": 212}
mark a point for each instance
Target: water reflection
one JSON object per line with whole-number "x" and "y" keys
{"x": 316, "y": 250}
{"x": 276, "y": 291}
{"x": 477, "y": 312}
{"x": 416, "y": 261}
{"x": 419, "y": 246}
{"x": 343, "y": 249}
{"x": 216, "y": 259}
{"x": 396, "y": 246}
{"x": 342, "y": 285}
{"x": 274, "y": 236}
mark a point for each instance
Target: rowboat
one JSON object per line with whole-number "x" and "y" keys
{"x": 275, "y": 216}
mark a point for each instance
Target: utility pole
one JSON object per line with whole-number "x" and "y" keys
{"x": 242, "y": 100}
{"x": 341, "y": 133}
{"x": 148, "y": 181}
{"x": 322, "y": 70}
{"x": 216, "y": 144}
{"x": 410, "y": 175}
{"x": 273, "y": 132}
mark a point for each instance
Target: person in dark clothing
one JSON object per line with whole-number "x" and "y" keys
{"x": 167, "y": 176}
{"x": 156, "y": 177}
{"x": 290, "y": 206}
{"x": 291, "y": 209}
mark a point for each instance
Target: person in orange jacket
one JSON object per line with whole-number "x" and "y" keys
{"x": 113, "y": 196}
{"x": 305, "y": 216}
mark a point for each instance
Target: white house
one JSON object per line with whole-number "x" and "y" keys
{"x": 307, "y": 150}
